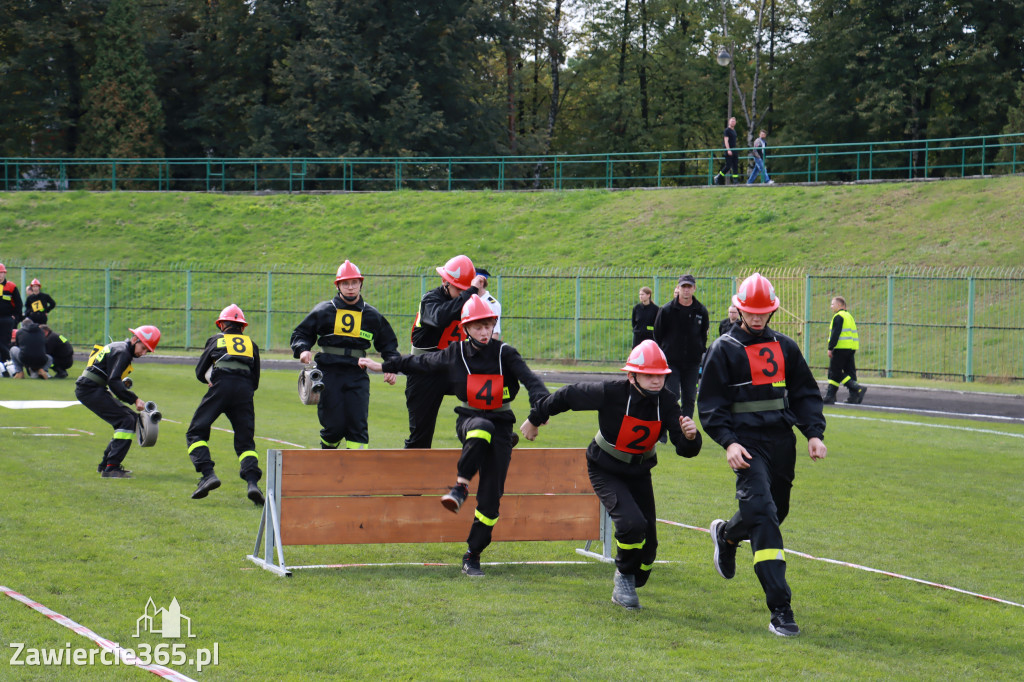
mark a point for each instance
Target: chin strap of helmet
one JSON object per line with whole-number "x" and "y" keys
{"x": 479, "y": 345}
{"x": 643, "y": 391}
{"x": 757, "y": 332}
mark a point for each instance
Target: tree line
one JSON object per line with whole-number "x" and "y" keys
{"x": 324, "y": 78}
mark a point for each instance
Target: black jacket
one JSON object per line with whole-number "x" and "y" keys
{"x": 643, "y": 321}
{"x": 741, "y": 368}
{"x": 334, "y": 324}
{"x": 682, "y": 331}
{"x": 10, "y": 301}
{"x": 610, "y": 399}
{"x": 459, "y": 360}
{"x": 61, "y": 350}
{"x": 32, "y": 342}
{"x": 437, "y": 320}
{"x": 38, "y": 306}
{"x": 229, "y": 354}
{"x": 111, "y": 364}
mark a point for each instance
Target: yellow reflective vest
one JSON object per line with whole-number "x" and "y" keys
{"x": 848, "y": 336}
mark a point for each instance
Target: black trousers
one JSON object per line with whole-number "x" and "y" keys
{"x": 230, "y": 395}
{"x": 344, "y": 406}
{"x": 841, "y": 367}
{"x": 763, "y": 492}
{"x": 683, "y": 382}
{"x": 6, "y": 326}
{"x": 423, "y": 396}
{"x": 628, "y": 495}
{"x": 487, "y": 450}
{"x": 108, "y": 408}
{"x": 731, "y": 166}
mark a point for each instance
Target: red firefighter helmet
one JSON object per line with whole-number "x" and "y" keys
{"x": 232, "y": 314}
{"x": 36, "y": 283}
{"x": 756, "y": 295}
{"x": 347, "y": 270}
{"x": 148, "y": 335}
{"x": 647, "y": 358}
{"x": 458, "y": 272}
{"x": 475, "y": 309}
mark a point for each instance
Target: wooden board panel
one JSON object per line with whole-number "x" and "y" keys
{"x": 313, "y": 473}
{"x": 367, "y": 520}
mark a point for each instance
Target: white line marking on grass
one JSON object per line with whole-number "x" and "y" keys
{"x": 939, "y": 413}
{"x": 103, "y": 642}
{"x": 88, "y": 433}
{"x": 67, "y": 435}
{"x": 865, "y": 568}
{"x": 931, "y": 426}
{"x": 22, "y": 427}
{"x": 272, "y": 440}
{"x": 36, "y": 404}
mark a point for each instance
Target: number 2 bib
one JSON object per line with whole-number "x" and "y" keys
{"x": 637, "y": 436}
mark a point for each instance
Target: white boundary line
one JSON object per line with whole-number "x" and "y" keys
{"x": 866, "y": 568}
{"x": 930, "y": 426}
{"x": 443, "y": 564}
{"x": 940, "y": 413}
{"x": 103, "y": 642}
{"x": 272, "y": 440}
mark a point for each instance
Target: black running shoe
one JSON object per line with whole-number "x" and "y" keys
{"x": 624, "y": 591}
{"x": 255, "y": 494}
{"x": 471, "y": 565}
{"x": 207, "y": 483}
{"x": 782, "y": 623}
{"x": 116, "y": 472}
{"x": 454, "y": 499}
{"x": 725, "y": 554}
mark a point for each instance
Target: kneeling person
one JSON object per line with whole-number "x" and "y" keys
{"x": 484, "y": 374}
{"x": 631, "y": 415}
{"x": 230, "y": 366}
{"x": 107, "y": 367}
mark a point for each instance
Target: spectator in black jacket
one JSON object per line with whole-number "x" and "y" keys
{"x": 726, "y": 324}
{"x": 61, "y": 350}
{"x": 29, "y": 351}
{"x": 644, "y": 314}
{"x": 681, "y": 329}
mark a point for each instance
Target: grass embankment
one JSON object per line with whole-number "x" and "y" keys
{"x": 95, "y": 550}
{"x": 952, "y": 224}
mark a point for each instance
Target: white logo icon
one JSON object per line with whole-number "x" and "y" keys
{"x": 456, "y": 273}
{"x": 163, "y": 622}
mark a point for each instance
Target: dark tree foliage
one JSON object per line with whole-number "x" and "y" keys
{"x": 123, "y": 117}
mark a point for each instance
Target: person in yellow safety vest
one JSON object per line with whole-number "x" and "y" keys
{"x": 842, "y": 346}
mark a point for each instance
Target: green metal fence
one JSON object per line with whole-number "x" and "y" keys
{"x": 963, "y": 325}
{"x": 947, "y": 157}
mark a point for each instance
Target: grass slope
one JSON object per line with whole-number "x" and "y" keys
{"x": 957, "y": 223}
{"x": 95, "y": 550}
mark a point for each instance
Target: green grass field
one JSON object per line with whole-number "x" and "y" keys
{"x": 933, "y": 499}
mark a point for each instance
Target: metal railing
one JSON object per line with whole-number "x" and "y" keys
{"x": 947, "y": 157}
{"x": 936, "y": 323}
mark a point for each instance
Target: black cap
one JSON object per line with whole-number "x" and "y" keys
{"x": 484, "y": 273}
{"x": 687, "y": 279}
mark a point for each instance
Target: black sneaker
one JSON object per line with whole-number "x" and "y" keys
{"x": 782, "y": 623}
{"x": 116, "y": 472}
{"x": 725, "y": 554}
{"x": 207, "y": 483}
{"x": 471, "y": 565}
{"x": 454, "y": 499}
{"x": 255, "y": 494}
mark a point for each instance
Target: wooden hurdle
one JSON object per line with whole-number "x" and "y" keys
{"x": 338, "y": 497}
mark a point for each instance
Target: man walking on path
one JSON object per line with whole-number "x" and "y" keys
{"x": 757, "y": 158}
{"x": 731, "y": 170}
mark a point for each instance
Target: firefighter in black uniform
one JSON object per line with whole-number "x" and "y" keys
{"x": 230, "y": 366}
{"x": 484, "y": 374}
{"x": 38, "y": 304}
{"x": 10, "y": 313}
{"x": 437, "y": 325}
{"x": 631, "y": 415}
{"x": 843, "y": 342}
{"x": 755, "y": 386}
{"x": 60, "y": 349}
{"x": 108, "y": 366}
{"x": 344, "y": 327}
